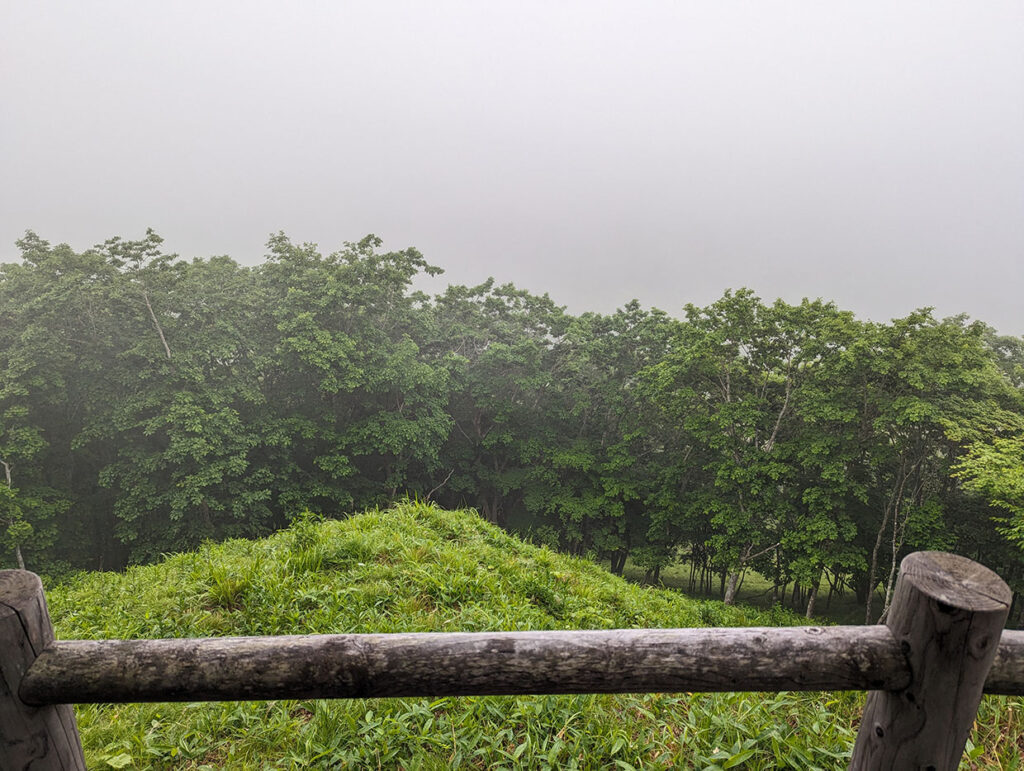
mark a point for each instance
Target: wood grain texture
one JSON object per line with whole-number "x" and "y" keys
{"x": 446, "y": 664}
{"x": 947, "y": 616}
{"x": 37, "y": 738}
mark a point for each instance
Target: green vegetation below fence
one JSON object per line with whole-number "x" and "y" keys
{"x": 417, "y": 568}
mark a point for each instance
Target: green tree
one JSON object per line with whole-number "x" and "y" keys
{"x": 598, "y": 471}
{"x": 732, "y": 376}
{"x": 56, "y": 326}
{"x": 360, "y": 409}
{"x": 925, "y": 384}
{"x": 995, "y": 470}
{"x": 495, "y": 343}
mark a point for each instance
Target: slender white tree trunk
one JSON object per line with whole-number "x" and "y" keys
{"x": 17, "y": 547}
{"x": 152, "y": 315}
{"x": 811, "y": 597}
{"x": 730, "y": 587}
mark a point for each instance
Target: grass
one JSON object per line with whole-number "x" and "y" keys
{"x": 417, "y": 568}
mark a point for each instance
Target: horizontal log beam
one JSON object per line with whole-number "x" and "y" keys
{"x": 1006, "y": 677}
{"x": 461, "y": 664}
{"x": 485, "y": 663}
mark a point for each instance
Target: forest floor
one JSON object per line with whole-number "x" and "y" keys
{"x": 756, "y": 591}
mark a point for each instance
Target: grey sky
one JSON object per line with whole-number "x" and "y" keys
{"x": 866, "y": 152}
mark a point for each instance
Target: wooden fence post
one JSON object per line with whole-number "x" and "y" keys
{"x": 947, "y": 614}
{"x": 37, "y": 738}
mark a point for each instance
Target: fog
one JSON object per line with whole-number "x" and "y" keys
{"x": 869, "y": 153}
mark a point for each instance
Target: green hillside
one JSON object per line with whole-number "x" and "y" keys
{"x": 418, "y": 568}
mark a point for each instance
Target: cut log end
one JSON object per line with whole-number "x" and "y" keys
{"x": 17, "y": 588}
{"x": 956, "y": 581}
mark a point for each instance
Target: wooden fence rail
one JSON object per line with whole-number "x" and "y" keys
{"x": 942, "y": 646}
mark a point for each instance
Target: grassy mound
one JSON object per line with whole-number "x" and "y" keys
{"x": 418, "y": 568}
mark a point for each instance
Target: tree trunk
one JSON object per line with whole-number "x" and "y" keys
{"x": 811, "y": 597}
{"x": 730, "y": 590}
{"x": 152, "y": 315}
{"x": 873, "y": 572}
{"x": 491, "y": 510}
{"x": 17, "y": 546}
{"x": 891, "y": 509}
{"x": 618, "y": 562}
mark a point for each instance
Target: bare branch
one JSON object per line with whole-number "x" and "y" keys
{"x": 443, "y": 483}
{"x": 152, "y": 315}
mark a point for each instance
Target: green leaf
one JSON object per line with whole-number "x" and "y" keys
{"x": 738, "y": 758}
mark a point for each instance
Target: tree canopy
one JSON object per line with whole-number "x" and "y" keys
{"x": 149, "y": 403}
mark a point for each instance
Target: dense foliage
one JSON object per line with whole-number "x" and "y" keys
{"x": 418, "y": 568}
{"x": 149, "y": 403}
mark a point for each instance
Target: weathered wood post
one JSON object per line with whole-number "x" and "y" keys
{"x": 37, "y": 738}
{"x": 947, "y": 615}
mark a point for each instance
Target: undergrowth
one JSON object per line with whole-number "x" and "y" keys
{"x": 416, "y": 568}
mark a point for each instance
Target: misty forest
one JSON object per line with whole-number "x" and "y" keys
{"x": 315, "y": 445}
{"x": 722, "y": 467}
{"x": 149, "y": 404}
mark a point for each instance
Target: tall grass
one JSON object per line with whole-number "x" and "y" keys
{"x": 418, "y": 568}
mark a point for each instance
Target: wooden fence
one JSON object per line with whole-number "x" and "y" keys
{"x": 942, "y": 645}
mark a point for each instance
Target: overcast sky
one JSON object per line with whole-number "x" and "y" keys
{"x": 871, "y": 153}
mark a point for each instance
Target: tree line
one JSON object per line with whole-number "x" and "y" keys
{"x": 148, "y": 403}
